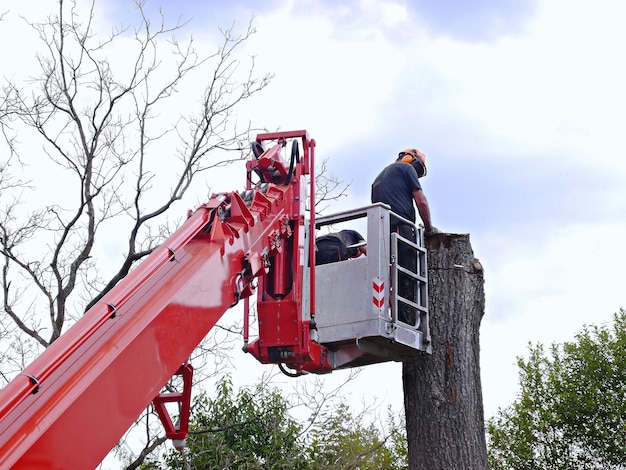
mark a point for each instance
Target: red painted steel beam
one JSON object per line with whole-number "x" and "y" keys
{"x": 95, "y": 380}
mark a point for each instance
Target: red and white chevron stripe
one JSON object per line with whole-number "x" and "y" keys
{"x": 378, "y": 290}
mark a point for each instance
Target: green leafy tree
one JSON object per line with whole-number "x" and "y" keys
{"x": 252, "y": 429}
{"x": 570, "y": 412}
{"x": 244, "y": 429}
{"x": 342, "y": 440}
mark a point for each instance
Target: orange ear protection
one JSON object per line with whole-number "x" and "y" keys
{"x": 416, "y": 158}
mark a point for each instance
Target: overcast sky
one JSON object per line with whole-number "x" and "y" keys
{"x": 520, "y": 108}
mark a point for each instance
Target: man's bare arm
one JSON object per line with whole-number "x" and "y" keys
{"x": 424, "y": 210}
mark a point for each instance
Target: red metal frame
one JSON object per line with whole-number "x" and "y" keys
{"x": 183, "y": 399}
{"x": 284, "y": 328}
{"x": 73, "y": 403}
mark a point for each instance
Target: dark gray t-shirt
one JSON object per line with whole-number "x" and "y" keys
{"x": 394, "y": 186}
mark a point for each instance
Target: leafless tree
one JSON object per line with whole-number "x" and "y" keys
{"x": 105, "y": 127}
{"x": 442, "y": 392}
{"x": 97, "y": 120}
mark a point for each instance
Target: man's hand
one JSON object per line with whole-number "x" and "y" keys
{"x": 434, "y": 231}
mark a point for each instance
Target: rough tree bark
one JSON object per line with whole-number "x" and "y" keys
{"x": 442, "y": 392}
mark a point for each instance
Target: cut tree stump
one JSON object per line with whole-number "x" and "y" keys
{"x": 442, "y": 392}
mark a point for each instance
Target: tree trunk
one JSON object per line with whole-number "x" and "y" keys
{"x": 442, "y": 392}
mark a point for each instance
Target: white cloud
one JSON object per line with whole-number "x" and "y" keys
{"x": 559, "y": 86}
{"x": 324, "y": 81}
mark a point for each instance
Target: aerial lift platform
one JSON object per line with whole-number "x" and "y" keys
{"x": 357, "y": 308}
{"x": 256, "y": 244}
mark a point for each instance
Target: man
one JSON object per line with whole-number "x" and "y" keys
{"x": 339, "y": 246}
{"x": 398, "y": 186}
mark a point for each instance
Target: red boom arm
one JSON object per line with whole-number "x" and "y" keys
{"x": 74, "y": 402}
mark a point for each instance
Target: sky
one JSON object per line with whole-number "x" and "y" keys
{"x": 520, "y": 108}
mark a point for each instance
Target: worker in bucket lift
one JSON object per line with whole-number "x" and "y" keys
{"x": 398, "y": 186}
{"x": 339, "y": 246}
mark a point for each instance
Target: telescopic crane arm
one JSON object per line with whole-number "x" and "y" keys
{"x": 74, "y": 402}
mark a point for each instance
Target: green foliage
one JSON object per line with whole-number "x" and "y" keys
{"x": 252, "y": 429}
{"x": 570, "y": 412}
{"x": 341, "y": 440}
{"x": 248, "y": 429}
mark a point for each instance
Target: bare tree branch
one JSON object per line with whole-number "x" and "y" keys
{"x": 103, "y": 126}
{"x": 327, "y": 187}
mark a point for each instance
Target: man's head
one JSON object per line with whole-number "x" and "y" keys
{"x": 415, "y": 158}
